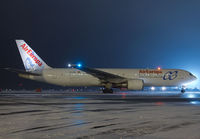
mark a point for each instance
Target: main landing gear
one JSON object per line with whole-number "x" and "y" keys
{"x": 107, "y": 91}
{"x": 108, "y": 88}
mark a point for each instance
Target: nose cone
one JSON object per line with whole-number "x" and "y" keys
{"x": 190, "y": 79}
{"x": 194, "y": 78}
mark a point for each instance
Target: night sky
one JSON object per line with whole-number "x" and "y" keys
{"x": 100, "y": 33}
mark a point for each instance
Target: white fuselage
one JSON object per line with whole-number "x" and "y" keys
{"x": 132, "y": 79}
{"x": 150, "y": 77}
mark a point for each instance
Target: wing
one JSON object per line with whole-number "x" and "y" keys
{"x": 102, "y": 75}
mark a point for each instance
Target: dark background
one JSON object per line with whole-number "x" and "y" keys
{"x": 100, "y": 33}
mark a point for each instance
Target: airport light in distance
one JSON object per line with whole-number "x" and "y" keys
{"x": 164, "y": 88}
{"x": 79, "y": 65}
{"x": 69, "y": 65}
{"x": 195, "y": 102}
{"x": 152, "y": 88}
{"x": 191, "y": 96}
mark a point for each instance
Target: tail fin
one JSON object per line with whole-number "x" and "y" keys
{"x": 32, "y": 62}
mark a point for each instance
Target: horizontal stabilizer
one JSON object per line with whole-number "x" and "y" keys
{"x": 19, "y": 71}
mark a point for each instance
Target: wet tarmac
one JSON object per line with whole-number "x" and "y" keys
{"x": 94, "y": 115}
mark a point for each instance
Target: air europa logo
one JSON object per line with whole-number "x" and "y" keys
{"x": 31, "y": 54}
{"x": 170, "y": 75}
{"x": 150, "y": 71}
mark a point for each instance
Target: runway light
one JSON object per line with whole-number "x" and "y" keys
{"x": 163, "y": 88}
{"x": 191, "y": 96}
{"x": 159, "y": 103}
{"x": 79, "y": 98}
{"x": 123, "y": 95}
{"x": 194, "y": 102}
{"x": 152, "y": 88}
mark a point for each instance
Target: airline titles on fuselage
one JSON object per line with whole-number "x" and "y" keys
{"x": 150, "y": 73}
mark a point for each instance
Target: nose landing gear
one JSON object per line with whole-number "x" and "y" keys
{"x": 182, "y": 90}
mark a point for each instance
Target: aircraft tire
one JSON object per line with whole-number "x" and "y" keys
{"x": 182, "y": 90}
{"x": 107, "y": 91}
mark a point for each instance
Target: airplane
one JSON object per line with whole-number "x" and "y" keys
{"x": 78, "y": 75}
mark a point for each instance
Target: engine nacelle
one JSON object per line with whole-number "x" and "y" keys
{"x": 135, "y": 84}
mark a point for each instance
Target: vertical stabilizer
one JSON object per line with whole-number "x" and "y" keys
{"x": 32, "y": 62}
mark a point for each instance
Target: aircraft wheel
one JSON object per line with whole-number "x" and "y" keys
{"x": 182, "y": 90}
{"x": 107, "y": 91}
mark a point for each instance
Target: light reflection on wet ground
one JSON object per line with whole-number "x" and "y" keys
{"x": 94, "y": 115}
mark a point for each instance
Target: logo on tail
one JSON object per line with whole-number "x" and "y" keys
{"x": 29, "y": 65}
{"x": 32, "y": 62}
{"x": 31, "y": 54}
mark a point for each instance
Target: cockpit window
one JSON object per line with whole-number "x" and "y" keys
{"x": 191, "y": 74}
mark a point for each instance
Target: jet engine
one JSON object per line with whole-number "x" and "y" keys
{"x": 135, "y": 84}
